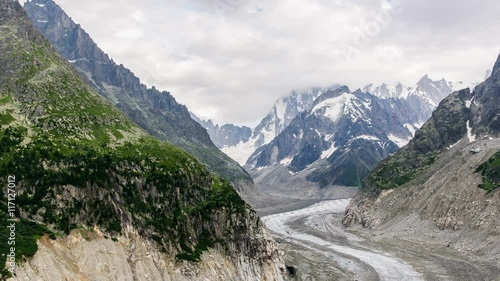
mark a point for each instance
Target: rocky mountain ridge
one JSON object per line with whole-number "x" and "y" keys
{"x": 398, "y": 113}
{"x": 432, "y": 91}
{"x": 81, "y": 166}
{"x": 421, "y": 99}
{"x": 336, "y": 143}
{"x": 155, "y": 111}
{"x": 236, "y": 143}
{"x": 226, "y": 135}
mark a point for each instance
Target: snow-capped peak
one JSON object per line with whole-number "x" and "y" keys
{"x": 432, "y": 92}
{"x": 279, "y": 117}
{"x": 386, "y": 91}
{"x": 333, "y": 108}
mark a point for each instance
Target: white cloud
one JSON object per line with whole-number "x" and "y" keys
{"x": 232, "y": 64}
{"x": 138, "y": 15}
{"x": 131, "y": 33}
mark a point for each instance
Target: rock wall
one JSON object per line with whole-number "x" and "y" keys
{"x": 88, "y": 255}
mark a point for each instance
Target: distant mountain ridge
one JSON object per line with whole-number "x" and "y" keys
{"x": 344, "y": 135}
{"x": 337, "y": 142}
{"x": 156, "y": 112}
{"x": 234, "y": 140}
{"x": 424, "y": 97}
{"x": 432, "y": 91}
{"x": 225, "y": 135}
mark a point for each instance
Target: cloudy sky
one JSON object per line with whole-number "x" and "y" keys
{"x": 229, "y": 60}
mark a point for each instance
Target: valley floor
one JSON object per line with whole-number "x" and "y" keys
{"x": 320, "y": 248}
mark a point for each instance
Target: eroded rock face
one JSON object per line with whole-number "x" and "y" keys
{"x": 443, "y": 206}
{"x": 88, "y": 255}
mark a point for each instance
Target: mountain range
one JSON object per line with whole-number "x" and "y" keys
{"x": 331, "y": 136}
{"x": 226, "y": 135}
{"x": 239, "y": 144}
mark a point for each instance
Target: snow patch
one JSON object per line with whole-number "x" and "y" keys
{"x": 240, "y": 152}
{"x": 469, "y": 103}
{"x": 470, "y": 136}
{"x": 286, "y": 161}
{"x": 411, "y": 128}
{"x": 327, "y": 153}
{"x": 329, "y": 137}
{"x": 280, "y": 109}
{"x": 453, "y": 145}
{"x": 366, "y": 137}
{"x": 269, "y": 135}
{"x": 397, "y": 140}
{"x": 333, "y": 108}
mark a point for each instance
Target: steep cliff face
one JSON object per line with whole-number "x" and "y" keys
{"x": 79, "y": 163}
{"x": 156, "y": 112}
{"x": 90, "y": 256}
{"x": 445, "y": 181}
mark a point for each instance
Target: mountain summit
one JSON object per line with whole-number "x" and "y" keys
{"x": 496, "y": 66}
{"x": 426, "y": 91}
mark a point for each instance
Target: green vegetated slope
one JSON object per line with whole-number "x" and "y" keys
{"x": 158, "y": 113}
{"x": 491, "y": 173}
{"x": 80, "y": 162}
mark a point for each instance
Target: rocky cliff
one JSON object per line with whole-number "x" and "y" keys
{"x": 91, "y": 256}
{"x": 156, "y": 112}
{"x": 78, "y": 165}
{"x": 443, "y": 186}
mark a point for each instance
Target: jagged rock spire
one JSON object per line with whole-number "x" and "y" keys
{"x": 497, "y": 66}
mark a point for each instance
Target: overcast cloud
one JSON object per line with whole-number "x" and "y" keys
{"x": 229, "y": 60}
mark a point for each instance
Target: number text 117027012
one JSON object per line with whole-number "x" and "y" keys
{"x": 11, "y": 222}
